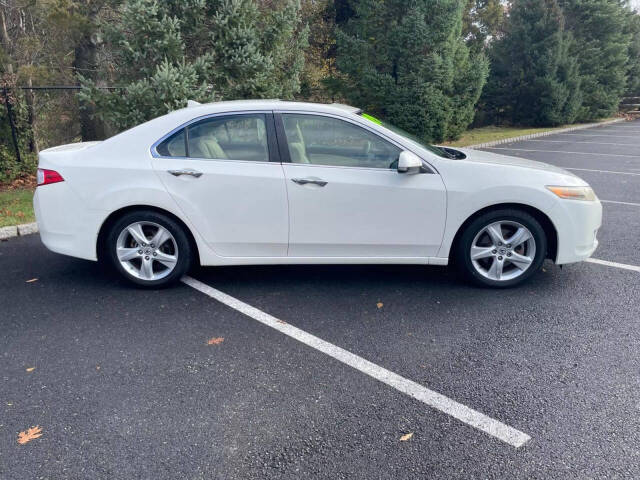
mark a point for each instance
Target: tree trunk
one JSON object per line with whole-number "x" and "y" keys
{"x": 5, "y": 40}
{"x": 14, "y": 134}
{"x": 31, "y": 117}
{"x": 91, "y": 128}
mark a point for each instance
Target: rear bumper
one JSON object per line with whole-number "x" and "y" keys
{"x": 577, "y": 224}
{"x": 65, "y": 225}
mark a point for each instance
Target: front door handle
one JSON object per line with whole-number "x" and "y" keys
{"x": 186, "y": 171}
{"x": 305, "y": 181}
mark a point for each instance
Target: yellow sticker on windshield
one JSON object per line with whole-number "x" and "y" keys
{"x": 371, "y": 118}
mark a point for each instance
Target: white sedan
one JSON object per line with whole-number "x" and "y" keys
{"x": 273, "y": 182}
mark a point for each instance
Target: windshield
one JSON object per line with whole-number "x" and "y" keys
{"x": 432, "y": 148}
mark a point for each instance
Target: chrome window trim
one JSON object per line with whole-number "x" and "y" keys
{"x": 372, "y": 169}
{"x": 198, "y": 159}
{"x": 155, "y": 154}
{"x": 363, "y": 125}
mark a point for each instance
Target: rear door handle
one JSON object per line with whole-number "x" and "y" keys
{"x": 305, "y": 181}
{"x": 186, "y": 171}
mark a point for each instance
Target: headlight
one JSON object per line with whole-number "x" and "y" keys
{"x": 574, "y": 193}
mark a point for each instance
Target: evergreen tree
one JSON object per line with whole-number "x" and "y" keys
{"x": 632, "y": 88}
{"x": 408, "y": 62}
{"x": 534, "y": 80}
{"x": 601, "y": 48}
{"x": 343, "y": 11}
{"x": 167, "y": 52}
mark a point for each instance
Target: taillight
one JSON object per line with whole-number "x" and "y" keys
{"x": 45, "y": 177}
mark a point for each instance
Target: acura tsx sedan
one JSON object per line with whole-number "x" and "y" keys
{"x": 274, "y": 182}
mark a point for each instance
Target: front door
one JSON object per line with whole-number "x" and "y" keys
{"x": 346, "y": 198}
{"x": 218, "y": 171}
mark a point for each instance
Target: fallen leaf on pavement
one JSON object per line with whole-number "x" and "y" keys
{"x": 379, "y": 304}
{"x": 27, "y": 436}
{"x": 31, "y": 369}
{"x": 32, "y": 280}
{"x": 215, "y": 341}
{"x": 407, "y": 437}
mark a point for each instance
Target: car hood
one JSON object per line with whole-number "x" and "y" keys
{"x": 480, "y": 156}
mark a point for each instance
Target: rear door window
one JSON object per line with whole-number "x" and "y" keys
{"x": 233, "y": 137}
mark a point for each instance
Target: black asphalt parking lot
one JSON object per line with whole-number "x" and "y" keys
{"x": 125, "y": 384}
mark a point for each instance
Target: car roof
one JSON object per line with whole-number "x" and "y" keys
{"x": 270, "y": 104}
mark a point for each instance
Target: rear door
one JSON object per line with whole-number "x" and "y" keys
{"x": 346, "y": 197}
{"x": 224, "y": 173}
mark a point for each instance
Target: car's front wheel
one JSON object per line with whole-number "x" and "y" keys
{"x": 149, "y": 249}
{"x": 501, "y": 248}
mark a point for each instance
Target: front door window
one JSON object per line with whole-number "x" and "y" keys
{"x": 319, "y": 140}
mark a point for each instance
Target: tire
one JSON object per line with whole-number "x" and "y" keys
{"x": 496, "y": 263}
{"x": 143, "y": 262}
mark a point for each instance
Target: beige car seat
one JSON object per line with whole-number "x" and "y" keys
{"x": 207, "y": 147}
{"x": 297, "y": 153}
{"x": 297, "y": 150}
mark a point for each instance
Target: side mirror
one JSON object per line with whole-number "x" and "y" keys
{"x": 409, "y": 162}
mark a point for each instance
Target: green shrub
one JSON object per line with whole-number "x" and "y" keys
{"x": 10, "y": 169}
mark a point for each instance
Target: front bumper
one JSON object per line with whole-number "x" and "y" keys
{"x": 577, "y": 225}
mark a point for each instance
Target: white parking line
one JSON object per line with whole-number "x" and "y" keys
{"x": 601, "y": 171}
{"x": 596, "y": 135}
{"x": 621, "y": 203}
{"x": 622, "y": 131}
{"x": 628, "y": 127}
{"x": 607, "y": 263}
{"x": 436, "y": 400}
{"x": 582, "y": 143}
{"x": 563, "y": 151}
{"x": 621, "y": 125}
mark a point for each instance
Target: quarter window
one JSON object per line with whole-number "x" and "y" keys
{"x": 320, "y": 140}
{"x": 174, "y": 146}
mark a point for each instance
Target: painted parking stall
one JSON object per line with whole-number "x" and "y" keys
{"x": 433, "y": 399}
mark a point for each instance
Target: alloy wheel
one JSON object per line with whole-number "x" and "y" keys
{"x": 147, "y": 251}
{"x": 503, "y": 250}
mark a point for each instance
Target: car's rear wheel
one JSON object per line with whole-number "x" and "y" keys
{"x": 502, "y": 248}
{"x": 149, "y": 249}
